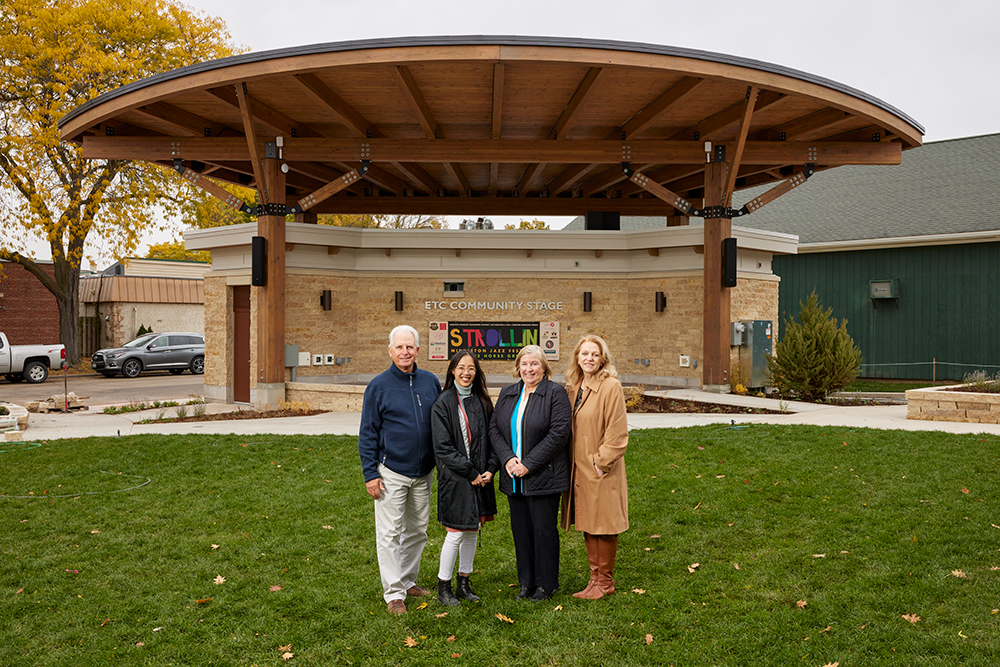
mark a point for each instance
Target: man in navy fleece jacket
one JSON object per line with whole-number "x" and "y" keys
{"x": 397, "y": 459}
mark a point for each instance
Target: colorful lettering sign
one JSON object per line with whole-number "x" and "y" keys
{"x": 492, "y": 341}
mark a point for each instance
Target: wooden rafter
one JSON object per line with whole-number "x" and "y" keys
{"x": 246, "y": 112}
{"x": 330, "y": 189}
{"x": 733, "y": 160}
{"x": 793, "y": 129}
{"x": 404, "y": 80}
{"x": 363, "y": 128}
{"x": 564, "y": 124}
{"x": 185, "y": 121}
{"x": 495, "y": 122}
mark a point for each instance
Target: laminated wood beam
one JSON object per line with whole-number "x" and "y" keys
{"x": 659, "y": 191}
{"x": 263, "y": 196}
{"x": 202, "y": 182}
{"x": 496, "y": 122}
{"x": 794, "y": 129}
{"x": 733, "y": 162}
{"x": 330, "y": 189}
{"x": 667, "y": 99}
{"x": 505, "y": 150}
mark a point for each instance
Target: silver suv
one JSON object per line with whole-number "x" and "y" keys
{"x": 174, "y": 352}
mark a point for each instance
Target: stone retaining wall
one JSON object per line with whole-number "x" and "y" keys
{"x": 935, "y": 404}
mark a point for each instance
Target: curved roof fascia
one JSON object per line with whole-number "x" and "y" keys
{"x": 487, "y": 40}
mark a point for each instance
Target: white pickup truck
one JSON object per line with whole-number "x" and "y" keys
{"x": 29, "y": 362}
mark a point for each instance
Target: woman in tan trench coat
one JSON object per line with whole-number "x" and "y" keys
{"x": 597, "y": 502}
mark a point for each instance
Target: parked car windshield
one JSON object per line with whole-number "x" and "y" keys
{"x": 140, "y": 341}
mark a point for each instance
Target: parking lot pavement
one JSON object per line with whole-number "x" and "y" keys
{"x": 148, "y": 387}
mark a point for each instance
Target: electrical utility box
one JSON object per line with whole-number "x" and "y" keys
{"x": 758, "y": 336}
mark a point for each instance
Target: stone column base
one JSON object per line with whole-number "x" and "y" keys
{"x": 716, "y": 388}
{"x": 268, "y": 396}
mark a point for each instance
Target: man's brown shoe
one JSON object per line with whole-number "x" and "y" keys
{"x": 396, "y": 607}
{"x": 417, "y": 591}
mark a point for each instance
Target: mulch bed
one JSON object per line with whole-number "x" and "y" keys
{"x": 657, "y": 404}
{"x": 239, "y": 414}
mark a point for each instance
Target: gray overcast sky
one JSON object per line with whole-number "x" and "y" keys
{"x": 935, "y": 60}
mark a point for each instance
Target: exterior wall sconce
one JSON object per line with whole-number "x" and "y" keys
{"x": 399, "y": 302}
{"x": 326, "y": 300}
{"x": 661, "y": 302}
{"x": 587, "y": 302}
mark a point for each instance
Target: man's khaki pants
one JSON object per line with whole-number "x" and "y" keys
{"x": 401, "y": 517}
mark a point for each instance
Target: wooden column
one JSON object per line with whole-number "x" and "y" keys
{"x": 715, "y": 341}
{"x": 271, "y": 297}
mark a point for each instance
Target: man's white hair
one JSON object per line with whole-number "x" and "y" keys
{"x": 408, "y": 329}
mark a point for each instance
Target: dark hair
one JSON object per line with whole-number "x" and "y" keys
{"x": 478, "y": 383}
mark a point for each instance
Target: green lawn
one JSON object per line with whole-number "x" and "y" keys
{"x": 837, "y": 533}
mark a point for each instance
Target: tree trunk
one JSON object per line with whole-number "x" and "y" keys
{"x": 67, "y": 293}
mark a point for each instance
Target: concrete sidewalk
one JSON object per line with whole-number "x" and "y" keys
{"x": 92, "y": 422}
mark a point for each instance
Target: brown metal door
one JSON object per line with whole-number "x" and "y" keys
{"x": 241, "y": 344}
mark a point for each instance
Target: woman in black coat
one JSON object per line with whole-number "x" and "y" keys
{"x": 466, "y": 464}
{"x": 530, "y": 432}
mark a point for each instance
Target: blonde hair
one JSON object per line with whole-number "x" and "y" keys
{"x": 535, "y": 350}
{"x": 575, "y": 374}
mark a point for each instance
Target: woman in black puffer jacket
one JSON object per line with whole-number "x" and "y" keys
{"x": 466, "y": 464}
{"x": 530, "y": 432}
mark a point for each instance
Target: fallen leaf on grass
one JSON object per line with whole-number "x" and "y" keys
{"x": 736, "y": 565}
{"x": 105, "y": 622}
{"x": 801, "y": 604}
{"x": 505, "y": 618}
{"x": 961, "y": 635}
{"x": 864, "y": 626}
{"x": 558, "y": 608}
{"x": 640, "y": 591}
{"x": 819, "y": 555}
{"x": 214, "y": 547}
{"x": 693, "y": 566}
{"x": 912, "y": 618}
{"x": 451, "y": 638}
{"x": 994, "y": 525}
{"x": 654, "y": 537}
{"x": 422, "y": 605}
{"x": 203, "y": 601}
{"x": 275, "y": 588}
{"x": 649, "y": 639}
{"x": 441, "y": 615}
{"x": 327, "y": 527}
{"x": 826, "y": 629}
{"x": 456, "y": 655}
{"x": 964, "y": 490}
{"x": 157, "y": 629}
{"x": 219, "y": 580}
{"x": 959, "y": 574}
{"x": 832, "y": 664}
{"x": 285, "y": 648}
{"x": 287, "y": 656}
{"x": 845, "y": 552}
{"x": 410, "y": 641}
{"x": 19, "y": 590}
{"x": 94, "y": 532}
{"x": 995, "y": 611}
{"x": 719, "y": 476}
{"x": 649, "y": 549}
{"x": 140, "y": 643}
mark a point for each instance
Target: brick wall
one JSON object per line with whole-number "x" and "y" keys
{"x": 28, "y": 312}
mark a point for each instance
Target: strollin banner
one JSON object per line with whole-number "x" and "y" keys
{"x": 492, "y": 341}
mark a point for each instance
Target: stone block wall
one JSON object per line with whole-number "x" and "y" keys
{"x": 938, "y": 404}
{"x": 363, "y": 313}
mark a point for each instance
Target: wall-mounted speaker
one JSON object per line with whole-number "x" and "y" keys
{"x": 258, "y": 271}
{"x": 729, "y": 262}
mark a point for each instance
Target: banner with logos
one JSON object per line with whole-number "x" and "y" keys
{"x": 492, "y": 341}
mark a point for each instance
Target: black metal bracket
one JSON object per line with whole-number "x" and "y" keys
{"x": 718, "y": 212}
{"x": 627, "y": 169}
{"x": 179, "y": 166}
{"x": 270, "y": 209}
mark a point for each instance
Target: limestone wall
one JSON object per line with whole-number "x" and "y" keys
{"x": 936, "y": 404}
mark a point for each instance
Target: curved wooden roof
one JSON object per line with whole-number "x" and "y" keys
{"x": 492, "y": 125}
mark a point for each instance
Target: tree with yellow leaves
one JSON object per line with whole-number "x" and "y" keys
{"x": 56, "y": 55}
{"x": 529, "y": 224}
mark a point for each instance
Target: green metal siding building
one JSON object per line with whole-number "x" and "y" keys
{"x": 943, "y": 323}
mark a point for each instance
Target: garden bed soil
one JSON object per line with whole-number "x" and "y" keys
{"x": 657, "y": 404}
{"x": 238, "y": 414}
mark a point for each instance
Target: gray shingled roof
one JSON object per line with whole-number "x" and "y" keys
{"x": 944, "y": 187}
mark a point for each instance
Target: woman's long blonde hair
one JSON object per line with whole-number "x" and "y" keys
{"x": 575, "y": 374}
